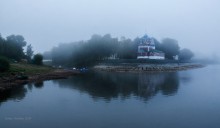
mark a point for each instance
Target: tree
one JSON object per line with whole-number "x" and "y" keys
{"x": 170, "y": 47}
{"x": 18, "y": 39}
{"x": 157, "y": 44}
{"x": 185, "y": 54}
{"x": 14, "y": 47}
{"x": 2, "y": 45}
{"x": 4, "y": 64}
{"x": 47, "y": 55}
{"x": 127, "y": 49}
{"x": 29, "y": 52}
{"x": 38, "y": 59}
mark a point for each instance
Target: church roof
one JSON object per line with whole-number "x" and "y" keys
{"x": 145, "y": 37}
{"x": 147, "y": 40}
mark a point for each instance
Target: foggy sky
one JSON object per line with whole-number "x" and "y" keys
{"x": 46, "y": 23}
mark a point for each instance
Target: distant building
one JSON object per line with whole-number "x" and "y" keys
{"x": 147, "y": 49}
{"x": 176, "y": 57}
{"x": 112, "y": 57}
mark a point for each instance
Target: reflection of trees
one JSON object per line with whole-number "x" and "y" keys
{"x": 110, "y": 85}
{"x": 102, "y": 85}
{"x": 150, "y": 84}
{"x": 39, "y": 84}
{"x": 185, "y": 77}
{"x": 19, "y": 92}
{"x": 114, "y": 85}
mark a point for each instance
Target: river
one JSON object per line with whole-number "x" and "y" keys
{"x": 185, "y": 99}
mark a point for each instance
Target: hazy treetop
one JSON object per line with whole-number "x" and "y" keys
{"x": 45, "y": 23}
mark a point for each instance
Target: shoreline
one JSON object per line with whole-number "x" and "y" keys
{"x": 7, "y": 83}
{"x": 141, "y": 68}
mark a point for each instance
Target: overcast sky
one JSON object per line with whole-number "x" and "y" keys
{"x": 46, "y": 23}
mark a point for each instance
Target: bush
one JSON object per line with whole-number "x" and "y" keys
{"x": 4, "y": 64}
{"x": 38, "y": 59}
{"x": 185, "y": 54}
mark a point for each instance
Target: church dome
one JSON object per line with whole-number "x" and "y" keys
{"x": 147, "y": 40}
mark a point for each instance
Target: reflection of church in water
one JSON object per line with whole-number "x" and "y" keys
{"x": 150, "y": 84}
{"x": 108, "y": 86}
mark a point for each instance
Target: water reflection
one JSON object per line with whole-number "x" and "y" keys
{"x": 39, "y": 84}
{"x": 19, "y": 92}
{"x": 114, "y": 85}
{"x": 15, "y": 94}
{"x": 150, "y": 84}
{"x": 102, "y": 85}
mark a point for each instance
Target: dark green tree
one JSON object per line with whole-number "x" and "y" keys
{"x": 157, "y": 44}
{"x": 2, "y": 46}
{"x": 18, "y": 39}
{"x": 127, "y": 49}
{"x": 29, "y": 52}
{"x": 96, "y": 49}
{"x": 38, "y": 59}
{"x": 4, "y": 64}
{"x": 185, "y": 54}
{"x": 14, "y": 47}
{"x": 47, "y": 55}
{"x": 170, "y": 47}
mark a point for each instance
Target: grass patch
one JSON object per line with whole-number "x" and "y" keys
{"x": 26, "y": 69}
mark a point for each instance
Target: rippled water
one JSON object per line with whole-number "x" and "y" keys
{"x": 186, "y": 99}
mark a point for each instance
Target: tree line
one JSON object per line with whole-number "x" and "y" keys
{"x": 12, "y": 50}
{"x": 98, "y": 48}
{"x": 12, "y": 47}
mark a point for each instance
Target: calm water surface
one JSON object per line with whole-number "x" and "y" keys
{"x": 186, "y": 99}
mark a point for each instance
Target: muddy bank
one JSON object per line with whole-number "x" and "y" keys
{"x": 7, "y": 83}
{"x": 147, "y": 67}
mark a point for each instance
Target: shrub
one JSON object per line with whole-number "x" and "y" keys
{"x": 185, "y": 54}
{"x": 38, "y": 59}
{"x": 4, "y": 64}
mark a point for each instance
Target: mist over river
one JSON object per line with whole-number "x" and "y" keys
{"x": 184, "y": 99}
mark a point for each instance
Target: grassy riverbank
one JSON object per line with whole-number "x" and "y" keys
{"x": 20, "y": 74}
{"x": 27, "y": 69}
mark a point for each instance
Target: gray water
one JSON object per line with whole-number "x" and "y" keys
{"x": 185, "y": 99}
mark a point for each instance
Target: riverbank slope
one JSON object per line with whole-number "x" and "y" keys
{"x": 20, "y": 74}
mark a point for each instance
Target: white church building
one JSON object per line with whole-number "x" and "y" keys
{"x": 147, "y": 50}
